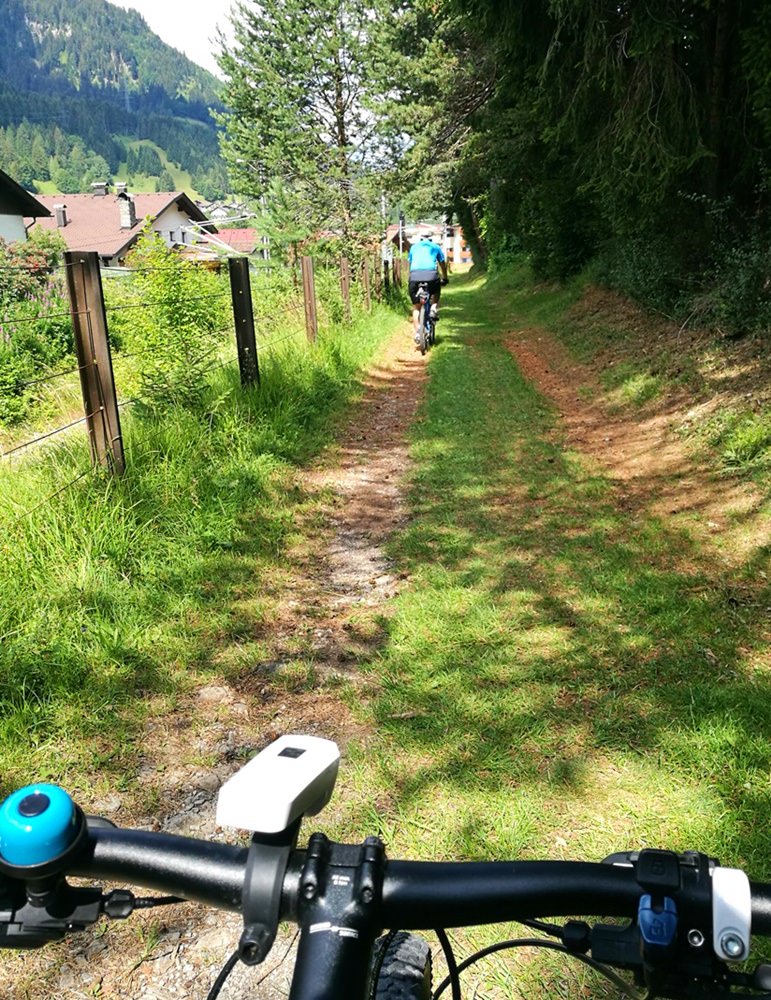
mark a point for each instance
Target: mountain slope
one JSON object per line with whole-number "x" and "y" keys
{"x": 77, "y": 74}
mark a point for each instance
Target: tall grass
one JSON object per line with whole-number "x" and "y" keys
{"x": 115, "y": 594}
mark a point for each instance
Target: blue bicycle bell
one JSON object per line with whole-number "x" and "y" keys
{"x": 37, "y": 824}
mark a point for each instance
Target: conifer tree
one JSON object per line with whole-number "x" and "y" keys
{"x": 296, "y": 90}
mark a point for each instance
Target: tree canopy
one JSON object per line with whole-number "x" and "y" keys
{"x": 571, "y": 130}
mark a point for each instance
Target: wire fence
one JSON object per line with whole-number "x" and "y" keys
{"x": 266, "y": 299}
{"x": 52, "y": 496}
{"x": 44, "y": 437}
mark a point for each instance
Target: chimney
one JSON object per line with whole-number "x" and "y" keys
{"x": 128, "y": 212}
{"x": 99, "y": 188}
{"x": 61, "y": 216}
{"x": 121, "y": 187}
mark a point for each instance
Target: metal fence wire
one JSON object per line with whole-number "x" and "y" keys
{"x": 253, "y": 321}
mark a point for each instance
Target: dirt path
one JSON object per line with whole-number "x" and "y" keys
{"x": 652, "y": 468}
{"x": 336, "y": 579}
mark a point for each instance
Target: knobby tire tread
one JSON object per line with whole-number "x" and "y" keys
{"x": 405, "y": 973}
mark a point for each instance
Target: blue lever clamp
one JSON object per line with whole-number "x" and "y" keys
{"x": 658, "y": 925}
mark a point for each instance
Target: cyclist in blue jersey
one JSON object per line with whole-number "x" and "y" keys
{"x": 426, "y": 261}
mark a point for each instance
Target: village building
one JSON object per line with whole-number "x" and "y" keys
{"x": 16, "y": 205}
{"x": 450, "y": 239}
{"x": 246, "y": 242}
{"x": 110, "y": 224}
{"x": 225, "y": 211}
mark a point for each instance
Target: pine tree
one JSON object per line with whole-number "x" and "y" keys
{"x": 296, "y": 93}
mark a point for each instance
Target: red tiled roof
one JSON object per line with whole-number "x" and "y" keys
{"x": 243, "y": 240}
{"x": 94, "y": 220}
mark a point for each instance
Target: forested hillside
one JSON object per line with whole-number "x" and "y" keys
{"x": 81, "y": 81}
{"x": 633, "y": 136}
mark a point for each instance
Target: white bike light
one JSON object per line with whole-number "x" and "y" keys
{"x": 292, "y": 777}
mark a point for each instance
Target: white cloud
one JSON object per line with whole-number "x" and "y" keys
{"x": 187, "y": 25}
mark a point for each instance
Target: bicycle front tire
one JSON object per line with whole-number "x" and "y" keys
{"x": 405, "y": 972}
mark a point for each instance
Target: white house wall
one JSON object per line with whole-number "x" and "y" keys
{"x": 172, "y": 220}
{"x": 12, "y": 228}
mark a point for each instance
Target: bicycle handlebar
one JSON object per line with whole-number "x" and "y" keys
{"x": 416, "y": 894}
{"x": 351, "y": 892}
{"x": 201, "y": 871}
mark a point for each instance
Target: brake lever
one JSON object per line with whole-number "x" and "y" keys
{"x": 25, "y": 923}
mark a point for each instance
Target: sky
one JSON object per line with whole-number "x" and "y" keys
{"x": 187, "y": 25}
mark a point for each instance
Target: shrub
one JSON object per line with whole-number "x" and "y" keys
{"x": 739, "y": 298}
{"x": 645, "y": 267}
{"x": 748, "y": 443}
{"x": 170, "y": 312}
{"x": 35, "y": 327}
{"x": 16, "y": 369}
{"x": 558, "y": 229}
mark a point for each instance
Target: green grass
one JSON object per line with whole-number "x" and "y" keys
{"x": 117, "y": 595}
{"x": 627, "y": 386}
{"x": 741, "y": 438}
{"x": 141, "y": 183}
{"x": 561, "y": 678}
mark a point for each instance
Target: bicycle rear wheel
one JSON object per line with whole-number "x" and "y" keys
{"x": 405, "y": 970}
{"x": 422, "y": 334}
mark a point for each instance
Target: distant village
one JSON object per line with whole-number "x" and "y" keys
{"x": 110, "y": 219}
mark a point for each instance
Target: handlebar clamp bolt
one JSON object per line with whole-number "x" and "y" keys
{"x": 732, "y": 946}
{"x": 695, "y": 938}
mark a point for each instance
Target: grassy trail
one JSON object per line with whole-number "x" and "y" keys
{"x": 562, "y": 678}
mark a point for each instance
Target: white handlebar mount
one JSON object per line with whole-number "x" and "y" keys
{"x": 731, "y": 914}
{"x": 269, "y": 796}
{"x": 292, "y": 777}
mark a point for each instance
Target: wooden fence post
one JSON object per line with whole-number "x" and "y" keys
{"x": 309, "y": 296}
{"x": 365, "y": 280}
{"x": 243, "y": 316}
{"x": 92, "y": 347}
{"x": 345, "y": 287}
{"x": 377, "y": 271}
{"x": 386, "y": 277}
{"x": 397, "y": 271}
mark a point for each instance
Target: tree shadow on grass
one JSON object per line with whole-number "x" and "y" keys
{"x": 549, "y": 627}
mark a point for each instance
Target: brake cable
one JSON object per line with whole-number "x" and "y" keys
{"x": 385, "y": 944}
{"x": 609, "y": 974}
{"x": 224, "y": 972}
{"x": 231, "y": 963}
{"x": 449, "y": 956}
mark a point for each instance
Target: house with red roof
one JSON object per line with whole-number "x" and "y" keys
{"x": 16, "y": 204}
{"x": 110, "y": 224}
{"x": 242, "y": 241}
{"x": 449, "y": 238}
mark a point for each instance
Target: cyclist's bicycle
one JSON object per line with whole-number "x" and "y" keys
{"x": 426, "y": 335}
{"x": 682, "y": 922}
